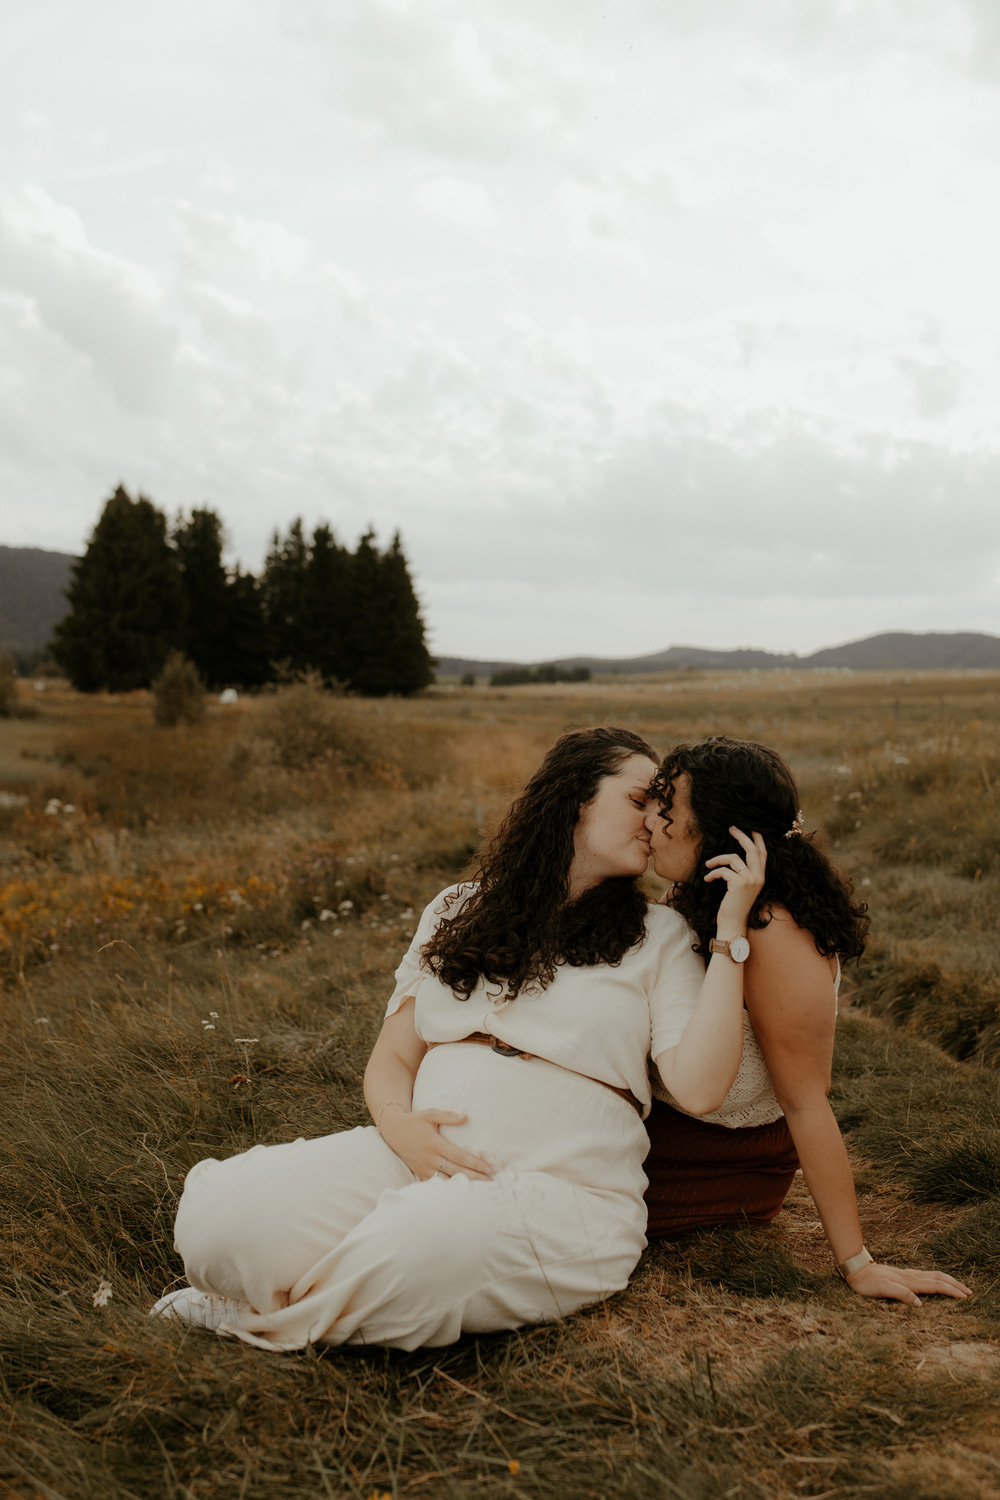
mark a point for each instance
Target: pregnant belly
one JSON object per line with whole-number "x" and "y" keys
{"x": 535, "y": 1116}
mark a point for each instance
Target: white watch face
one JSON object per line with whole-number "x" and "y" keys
{"x": 739, "y": 949}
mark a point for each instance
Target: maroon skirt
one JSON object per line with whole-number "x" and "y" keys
{"x": 702, "y": 1175}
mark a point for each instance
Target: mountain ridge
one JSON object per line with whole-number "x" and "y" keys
{"x": 33, "y": 581}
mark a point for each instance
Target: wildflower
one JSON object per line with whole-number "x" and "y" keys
{"x": 104, "y": 1294}
{"x": 305, "y": 925}
{"x": 214, "y": 1015}
{"x": 325, "y": 914}
{"x": 235, "y": 898}
{"x": 69, "y": 808}
{"x": 207, "y": 1026}
{"x": 53, "y": 807}
{"x": 198, "y": 906}
{"x": 337, "y": 931}
{"x": 246, "y": 1041}
{"x": 42, "y": 1021}
{"x": 346, "y": 906}
{"x": 514, "y": 1466}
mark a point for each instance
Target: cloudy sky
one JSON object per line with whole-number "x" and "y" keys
{"x": 646, "y": 322}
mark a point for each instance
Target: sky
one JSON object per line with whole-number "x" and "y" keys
{"x": 647, "y": 322}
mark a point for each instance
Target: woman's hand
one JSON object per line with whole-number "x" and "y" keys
{"x": 875, "y": 1280}
{"x": 744, "y": 882}
{"x": 416, "y": 1138}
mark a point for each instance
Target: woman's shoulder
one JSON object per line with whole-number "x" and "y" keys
{"x": 663, "y": 924}
{"x": 782, "y": 938}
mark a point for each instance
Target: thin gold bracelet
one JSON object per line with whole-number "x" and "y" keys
{"x": 386, "y": 1105}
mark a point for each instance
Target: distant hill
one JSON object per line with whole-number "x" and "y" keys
{"x": 33, "y": 583}
{"x": 895, "y": 650}
{"x": 32, "y": 596}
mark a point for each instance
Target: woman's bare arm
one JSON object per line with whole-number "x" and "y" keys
{"x": 699, "y": 1071}
{"x": 414, "y": 1135}
{"x": 789, "y": 992}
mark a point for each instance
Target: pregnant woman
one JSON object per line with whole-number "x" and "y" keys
{"x": 737, "y": 1163}
{"x": 501, "y": 1183}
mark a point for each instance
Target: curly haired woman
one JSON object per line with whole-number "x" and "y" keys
{"x": 501, "y": 1183}
{"x": 736, "y": 1163}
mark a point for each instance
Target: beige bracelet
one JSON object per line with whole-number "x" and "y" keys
{"x": 854, "y": 1263}
{"x": 388, "y": 1103}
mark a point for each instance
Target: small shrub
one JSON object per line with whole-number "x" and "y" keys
{"x": 298, "y": 727}
{"x": 178, "y": 693}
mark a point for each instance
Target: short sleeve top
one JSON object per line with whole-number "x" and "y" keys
{"x": 603, "y": 1020}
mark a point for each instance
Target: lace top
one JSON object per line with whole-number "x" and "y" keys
{"x": 751, "y": 1100}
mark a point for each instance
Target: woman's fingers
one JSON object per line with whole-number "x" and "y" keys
{"x": 903, "y": 1285}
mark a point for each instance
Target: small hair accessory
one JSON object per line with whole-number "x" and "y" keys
{"x": 797, "y": 825}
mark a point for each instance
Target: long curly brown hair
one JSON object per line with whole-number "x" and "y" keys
{"x": 519, "y": 923}
{"x": 740, "y": 782}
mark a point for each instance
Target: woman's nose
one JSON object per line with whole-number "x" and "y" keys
{"x": 650, "y": 818}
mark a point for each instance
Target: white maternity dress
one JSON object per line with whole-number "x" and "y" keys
{"x": 334, "y": 1241}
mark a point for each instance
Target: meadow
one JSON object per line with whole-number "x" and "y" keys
{"x": 198, "y": 928}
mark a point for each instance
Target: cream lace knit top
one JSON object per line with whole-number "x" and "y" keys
{"x": 751, "y": 1100}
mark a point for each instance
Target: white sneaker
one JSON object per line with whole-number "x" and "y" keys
{"x": 203, "y": 1309}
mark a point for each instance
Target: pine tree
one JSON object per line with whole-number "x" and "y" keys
{"x": 204, "y": 629}
{"x": 386, "y": 631}
{"x": 246, "y": 646}
{"x": 123, "y": 599}
{"x": 326, "y": 606}
{"x": 283, "y": 588}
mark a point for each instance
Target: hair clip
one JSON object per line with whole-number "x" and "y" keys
{"x": 796, "y": 829}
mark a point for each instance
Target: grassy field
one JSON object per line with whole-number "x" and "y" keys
{"x": 195, "y": 957}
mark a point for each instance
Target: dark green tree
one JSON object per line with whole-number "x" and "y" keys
{"x": 387, "y": 633}
{"x": 283, "y": 590}
{"x": 247, "y": 654}
{"x": 326, "y": 606}
{"x": 203, "y": 629}
{"x": 124, "y": 600}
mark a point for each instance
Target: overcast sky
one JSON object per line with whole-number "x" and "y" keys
{"x": 646, "y": 322}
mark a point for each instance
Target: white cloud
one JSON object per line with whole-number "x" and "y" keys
{"x": 212, "y": 240}
{"x": 461, "y": 204}
{"x": 107, "y": 309}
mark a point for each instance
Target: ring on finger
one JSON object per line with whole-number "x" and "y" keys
{"x": 443, "y": 1168}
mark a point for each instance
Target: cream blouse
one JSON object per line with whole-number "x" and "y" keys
{"x": 603, "y": 1020}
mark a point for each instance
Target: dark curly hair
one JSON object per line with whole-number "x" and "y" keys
{"x": 740, "y": 782}
{"x": 519, "y": 923}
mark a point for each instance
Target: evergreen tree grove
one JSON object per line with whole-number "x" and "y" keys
{"x": 137, "y": 594}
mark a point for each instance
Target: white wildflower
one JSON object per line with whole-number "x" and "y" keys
{"x": 104, "y": 1294}
{"x": 214, "y": 1015}
{"x": 42, "y": 1021}
{"x": 197, "y": 906}
{"x": 326, "y": 914}
{"x": 235, "y": 898}
{"x": 346, "y": 906}
{"x": 207, "y": 1026}
{"x": 305, "y": 925}
{"x": 246, "y": 1041}
{"x": 68, "y": 808}
{"x": 53, "y": 807}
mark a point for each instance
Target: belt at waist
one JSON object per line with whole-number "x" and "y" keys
{"x": 486, "y": 1039}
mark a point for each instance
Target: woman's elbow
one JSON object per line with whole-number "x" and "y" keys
{"x": 700, "y": 1100}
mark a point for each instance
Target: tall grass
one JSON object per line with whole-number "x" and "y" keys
{"x": 236, "y": 912}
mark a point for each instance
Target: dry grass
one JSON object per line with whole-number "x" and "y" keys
{"x": 196, "y": 871}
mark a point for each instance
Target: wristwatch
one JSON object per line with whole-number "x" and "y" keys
{"x": 737, "y": 948}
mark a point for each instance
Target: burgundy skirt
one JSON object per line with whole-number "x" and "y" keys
{"x": 701, "y": 1175}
